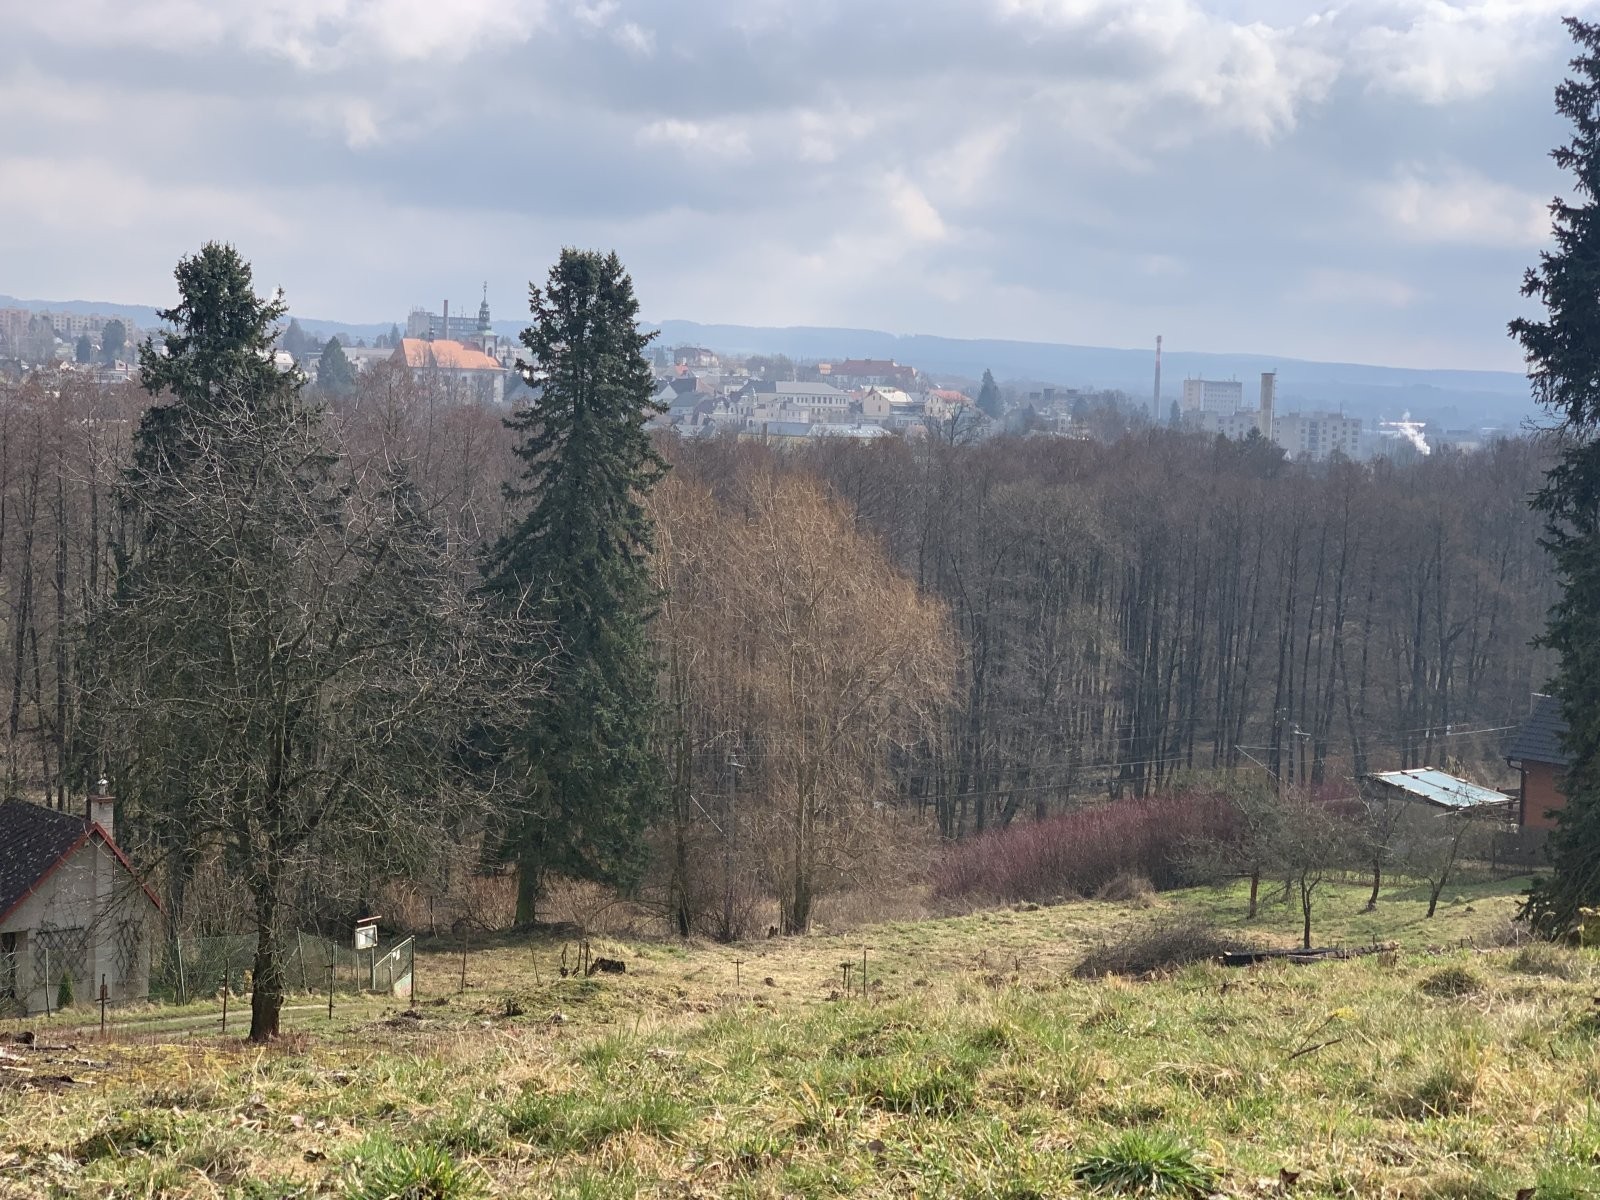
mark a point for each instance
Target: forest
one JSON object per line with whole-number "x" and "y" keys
{"x": 865, "y": 649}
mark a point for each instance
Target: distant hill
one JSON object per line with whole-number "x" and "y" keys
{"x": 1451, "y": 398}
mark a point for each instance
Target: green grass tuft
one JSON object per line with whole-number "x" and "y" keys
{"x": 1143, "y": 1163}
{"x": 386, "y": 1170}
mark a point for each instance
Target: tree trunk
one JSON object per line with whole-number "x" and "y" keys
{"x": 1305, "y": 912}
{"x": 1377, "y": 882}
{"x": 1433, "y": 895}
{"x": 266, "y": 987}
{"x": 1255, "y": 889}
{"x": 528, "y": 887}
{"x": 797, "y": 913}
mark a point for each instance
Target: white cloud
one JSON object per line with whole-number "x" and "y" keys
{"x": 718, "y": 139}
{"x": 1441, "y": 51}
{"x": 917, "y": 218}
{"x": 1457, "y": 205}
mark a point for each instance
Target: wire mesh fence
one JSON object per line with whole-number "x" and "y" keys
{"x": 188, "y": 968}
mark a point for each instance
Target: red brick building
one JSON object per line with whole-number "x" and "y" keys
{"x": 1538, "y": 753}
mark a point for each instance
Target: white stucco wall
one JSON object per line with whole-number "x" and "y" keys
{"x": 94, "y": 894}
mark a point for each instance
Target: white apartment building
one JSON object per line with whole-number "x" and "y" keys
{"x": 1212, "y": 395}
{"x": 1317, "y": 435}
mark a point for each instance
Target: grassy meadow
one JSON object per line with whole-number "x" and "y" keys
{"x": 976, "y": 1065}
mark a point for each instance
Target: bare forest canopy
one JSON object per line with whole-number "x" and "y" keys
{"x": 1115, "y": 614}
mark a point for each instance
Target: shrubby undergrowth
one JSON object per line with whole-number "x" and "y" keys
{"x": 1078, "y": 853}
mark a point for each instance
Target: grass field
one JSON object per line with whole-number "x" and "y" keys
{"x": 976, "y": 1065}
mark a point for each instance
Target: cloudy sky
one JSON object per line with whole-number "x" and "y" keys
{"x": 1351, "y": 179}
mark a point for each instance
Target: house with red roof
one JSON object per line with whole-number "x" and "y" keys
{"x": 71, "y": 907}
{"x": 464, "y": 371}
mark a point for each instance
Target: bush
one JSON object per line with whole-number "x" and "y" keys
{"x": 1081, "y": 852}
{"x": 1146, "y": 1164}
{"x": 1161, "y": 948}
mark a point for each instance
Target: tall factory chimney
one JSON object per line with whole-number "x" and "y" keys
{"x": 1269, "y": 389}
{"x": 1156, "y": 401}
{"x": 446, "y": 333}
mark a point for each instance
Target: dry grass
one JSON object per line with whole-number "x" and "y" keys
{"x": 976, "y": 1066}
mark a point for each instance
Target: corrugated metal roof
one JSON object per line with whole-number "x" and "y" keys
{"x": 1539, "y": 739}
{"x": 1441, "y": 788}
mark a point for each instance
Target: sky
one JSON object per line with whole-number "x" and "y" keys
{"x": 1356, "y": 180}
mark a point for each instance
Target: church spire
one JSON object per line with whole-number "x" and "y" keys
{"x": 484, "y": 325}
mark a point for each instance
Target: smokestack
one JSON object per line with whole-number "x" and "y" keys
{"x": 1156, "y": 402}
{"x": 447, "y": 320}
{"x": 1269, "y": 389}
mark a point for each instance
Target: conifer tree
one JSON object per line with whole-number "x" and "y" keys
{"x": 292, "y": 660}
{"x": 112, "y": 340}
{"x": 576, "y": 564}
{"x": 1563, "y": 355}
{"x": 334, "y": 372}
{"x": 990, "y": 403}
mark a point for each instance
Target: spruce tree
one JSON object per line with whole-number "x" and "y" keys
{"x": 576, "y": 564}
{"x": 291, "y": 659}
{"x": 112, "y": 340}
{"x": 990, "y": 403}
{"x": 334, "y": 372}
{"x": 1563, "y": 355}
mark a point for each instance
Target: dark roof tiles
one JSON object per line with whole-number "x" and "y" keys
{"x": 32, "y": 841}
{"x": 1539, "y": 738}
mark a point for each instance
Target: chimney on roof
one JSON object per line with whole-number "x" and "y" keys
{"x": 102, "y": 810}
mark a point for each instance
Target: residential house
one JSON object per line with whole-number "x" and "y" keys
{"x": 465, "y": 371}
{"x": 868, "y": 372}
{"x": 792, "y": 401}
{"x": 71, "y": 905}
{"x": 942, "y": 403}
{"x": 1538, "y": 752}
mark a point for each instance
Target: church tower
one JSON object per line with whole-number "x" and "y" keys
{"x": 485, "y": 331}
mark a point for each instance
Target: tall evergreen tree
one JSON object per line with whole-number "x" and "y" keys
{"x": 334, "y": 372}
{"x": 1563, "y": 354}
{"x": 84, "y": 351}
{"x": 990, "y": 403}
{"x": 112, "y": 340}
{"x": 291, "y": 661}
{"x": 577, "y": 565}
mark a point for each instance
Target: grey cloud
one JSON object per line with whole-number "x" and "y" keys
{"x": 1015, "y": 166}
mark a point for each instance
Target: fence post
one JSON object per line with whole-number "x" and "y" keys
{"x": 330, "y": 986}
{"x": 183, "y": 987}
{"x": 227, "y": 986}
{"x": 104, "y": 996}
{"x": 47, "y": 981}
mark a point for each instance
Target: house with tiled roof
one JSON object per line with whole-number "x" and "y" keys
{"x": 463, "y": 370}
{"x": 71, "y": 907}
{"x": 1537, "y": 750}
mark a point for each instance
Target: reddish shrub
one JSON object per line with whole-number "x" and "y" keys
{"x": 1079, "y": 852}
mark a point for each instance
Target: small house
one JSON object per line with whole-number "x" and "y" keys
{"x": 71, "y": 907}
{"x": 1538, "y": 752}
